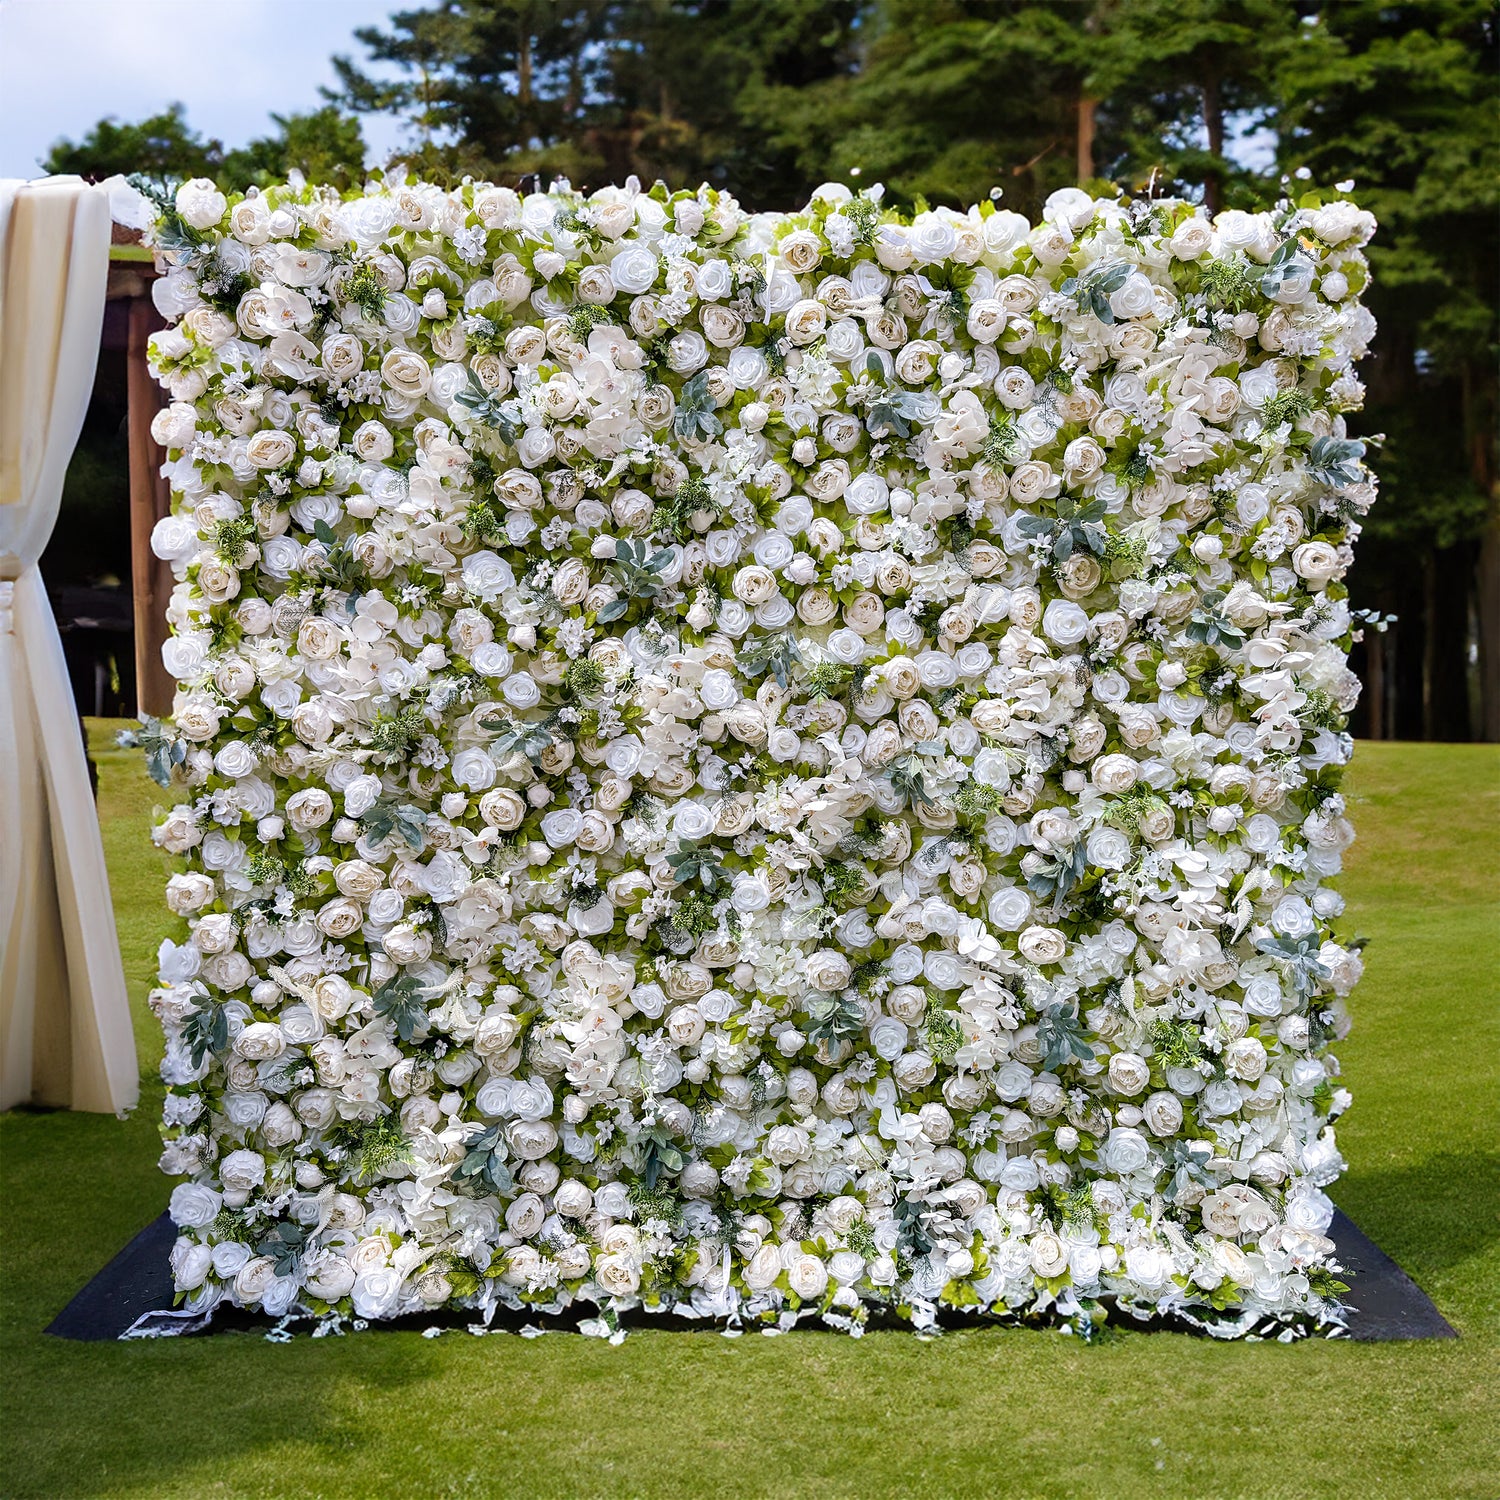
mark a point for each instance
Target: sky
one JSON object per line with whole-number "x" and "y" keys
{"x": 66, "y": 63}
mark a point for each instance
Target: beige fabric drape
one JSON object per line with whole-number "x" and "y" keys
{"x": 65, "y": 1035}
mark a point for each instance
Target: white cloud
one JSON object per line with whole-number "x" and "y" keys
{"x": 66, "y": 63}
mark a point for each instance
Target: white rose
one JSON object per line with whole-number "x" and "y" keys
{"x": 1129, "y": 1072}
{"x": 406, "y": 372}
{"x": 633, "y": 268}
{"x": 1318, "y": 563}
{"x": 194, "y": 1206}
{"x": 1065, "y": 622}
{"x": 1163, "y": 1113}
{"x": 1135, "y": 299}
{"x": 1042, "y": 945}
{"x": 271, "y": 449}
{"x": 1125, "y": 1150}
{"x": 200, "y": 203}
{"x": 808, "y": 1277}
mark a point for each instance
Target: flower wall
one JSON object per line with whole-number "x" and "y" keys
{"x": 759, "y": 765}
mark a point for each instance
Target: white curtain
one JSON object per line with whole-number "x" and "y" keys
{"x": 65, "y": 1035}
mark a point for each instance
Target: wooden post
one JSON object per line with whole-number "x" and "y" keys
{"x": 150, "y": 499}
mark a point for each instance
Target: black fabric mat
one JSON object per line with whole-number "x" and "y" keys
{"x": 138, "y": 1280}
{"x": 1387, "y": 1303}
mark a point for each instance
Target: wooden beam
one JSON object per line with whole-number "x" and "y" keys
{"x": 150, "y": 499}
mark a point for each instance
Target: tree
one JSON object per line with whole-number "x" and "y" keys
{"x": 506, "y": 87}
{"x": 1174, "y": 76}
{"x": 325, "y": 145}
{"x": 950, "y": 99}
{"x": 945, "y": 100}
{"x": 161, "y": 146}
{"x": 692, "y": 79}
{"x": 1401, "y": 99}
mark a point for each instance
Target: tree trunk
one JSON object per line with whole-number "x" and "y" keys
{"x": 1213, "y": 123}
{"x": 1479, "y": 423}
{"x": 1487, "y": 608}
{"x": 1375, "y": 683}
{"x": 1086, "y": 111}
{"x": 1445, "y": 674}
{"x": 574, "y": 97}
{"x": 524, "y": 75}
{"x": 1405, "y": 672}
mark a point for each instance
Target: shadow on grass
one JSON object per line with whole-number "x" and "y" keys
{"x": 1439, "y": 1218}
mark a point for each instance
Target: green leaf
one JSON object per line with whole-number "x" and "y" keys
{"x": 1059, "y": 1033}
{"x": 206, "y": 1032}
{"x": 399, "y": 1002}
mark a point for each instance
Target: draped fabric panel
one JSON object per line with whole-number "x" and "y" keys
{"x": 65, "y": 1034}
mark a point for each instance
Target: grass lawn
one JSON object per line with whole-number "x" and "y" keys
{"x": 992, "y": 1413}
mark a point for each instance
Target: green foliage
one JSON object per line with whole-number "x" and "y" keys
{"x": 161, "y": 145}
{"x": 584, "y": 678}
{"x": 698, "y": 862}
{"x": 776, "y": 654}
{"x": 363, "y": 287}
{"x": 164, "y": 752}
{"x": 977, "y": 800}
{"x": 390, "y": 815}
{"x": 372, "y": 1146}
{"x": 1092, "y": 290}
{"x": 826, "y": 680}
{"x": 206, "y": 1032}
{"x": 394, "y": 737}
{"x": 511, "y": 735}
{"x": 484, "y": 1162}
{"x": 944, "y": 1034}
{"x": 284, "y": 1245}
{"x": 399, "y": 1000}
{"x": 1228, "y": 285}
{"x": 1075, "y": 528}
{"x": 1177, "y": 1044}
{"x": 638, "y": 568}
{"x": 841, "y": 883}
{"x": 325, "y": 145}
{"x": 894, "y": 409}
{"x": 694, "y": 417}
{"x": 1066, "y": 1207}
{"x": 834, "y": 1019}
{"x": 1055, "y": 877}
{"x": 1059, "y": 1033}
{"x": 655, "y": 1203}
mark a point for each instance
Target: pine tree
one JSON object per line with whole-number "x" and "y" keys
{"x": 504, "y": 87}
{"x": 1401, "y": 99}
{"x": 325, "y": 145}
{"x": 1178, "y": 78}
{"x": 951, "y": 99}
{"x": 693, "y": 82}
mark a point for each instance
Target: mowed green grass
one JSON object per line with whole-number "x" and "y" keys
{"x": 983, "y": 1413}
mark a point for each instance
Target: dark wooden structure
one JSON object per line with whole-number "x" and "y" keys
{"x": 130, "y": 276}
